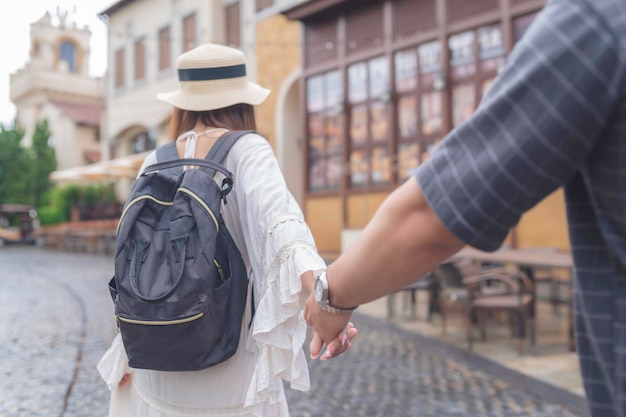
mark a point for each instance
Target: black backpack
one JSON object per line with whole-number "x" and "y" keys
{"x": 180, "y": 284}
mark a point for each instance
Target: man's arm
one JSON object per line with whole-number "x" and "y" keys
{"x": 403, "y": 242}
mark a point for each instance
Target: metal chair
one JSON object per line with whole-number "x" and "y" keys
{"x": 453, "y": 292}
{"x": 516, "y": 300}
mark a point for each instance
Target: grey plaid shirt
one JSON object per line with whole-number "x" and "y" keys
{"x": 556, "y": 116}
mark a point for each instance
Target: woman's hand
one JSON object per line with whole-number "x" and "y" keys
{"x": 336, "y": 347}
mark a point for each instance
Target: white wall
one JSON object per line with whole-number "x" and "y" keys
{"x": 136, "y": 103}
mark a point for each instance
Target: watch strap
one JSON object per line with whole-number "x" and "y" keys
{"x": 326, "y": 305}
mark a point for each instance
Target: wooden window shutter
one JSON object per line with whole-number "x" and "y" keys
{"x": 189, "y": 32}
{"x": 233, "y": 30}
{"x": 140, "y": 59}
{"x": 119, "y": 68}
{"x": 459, "y": 9}
{"x": 364, "y": 27}
{"x": 164, "y": 48}
{"x": 413, "y": 16}
{"x": 321, "y": 41}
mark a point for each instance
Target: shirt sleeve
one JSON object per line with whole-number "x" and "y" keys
{"x": 533, "y": 130}
{"x": 281, "y": 248}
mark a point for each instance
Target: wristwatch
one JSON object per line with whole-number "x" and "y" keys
{"x": 321, "y": 296}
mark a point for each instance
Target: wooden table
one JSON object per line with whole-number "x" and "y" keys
{"x": 528, "y": 260}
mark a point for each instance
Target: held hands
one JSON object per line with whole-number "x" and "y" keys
{"x": 333, "y": 330}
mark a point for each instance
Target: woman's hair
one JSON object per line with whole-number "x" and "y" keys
{"x": 237, "y": 117}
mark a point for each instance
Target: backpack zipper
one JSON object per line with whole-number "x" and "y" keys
{"x": 202, "y": 203}
{"x": 137, "y": 199}
{"x": 160, "y": 323}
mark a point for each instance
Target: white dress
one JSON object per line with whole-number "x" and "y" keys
{"x": 277, "y": 246}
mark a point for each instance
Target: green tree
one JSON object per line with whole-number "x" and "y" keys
{"x": 43, "y": 162}
{"x": 14, "y": 167}
{"x": 24, "y": 172}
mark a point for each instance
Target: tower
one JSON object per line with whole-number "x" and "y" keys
{"x": 55, "y": 84}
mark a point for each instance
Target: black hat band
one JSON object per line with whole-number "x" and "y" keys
{"x": 207, "y": 74}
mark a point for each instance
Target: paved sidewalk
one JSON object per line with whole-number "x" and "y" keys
{"x": 56, "y": 321}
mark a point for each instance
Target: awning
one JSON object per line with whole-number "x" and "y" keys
{"x": 123, "y": 167}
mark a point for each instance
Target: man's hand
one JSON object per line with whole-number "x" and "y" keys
{"x": 334, "y": 330}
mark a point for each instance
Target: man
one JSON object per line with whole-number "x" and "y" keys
{"x": 556, "y": 116}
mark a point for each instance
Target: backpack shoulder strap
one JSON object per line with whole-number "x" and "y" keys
{"x": 167, "y": 152}
{"x": 221, "y": 148}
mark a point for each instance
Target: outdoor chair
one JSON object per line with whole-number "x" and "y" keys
{"x": 452, "y": 290}
{"x": 516, "y": 301}
{"x": 559, "y": 283}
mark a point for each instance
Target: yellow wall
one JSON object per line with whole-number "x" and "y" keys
{"x": 545, "y": 225}
{"x": 278, "y": 55}
{"x": 323, "y": 214}
{"x": 361, "y": 208}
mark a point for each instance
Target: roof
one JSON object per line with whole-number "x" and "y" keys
{"x": 81, "y": 113}
{"x": 115, "y": 6}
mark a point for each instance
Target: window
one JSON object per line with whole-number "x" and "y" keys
{"x": 232, "y": 25}
{"x": 165, "y": 48}
{"x": 263, "y": 4}
{"x": 473, "y": 73}
{"x": 490, "y": 55}
{"x": 325, "y": 130}
{"x": 369, "y": 101}
{"x": 143, "y": 142}
{"x": 140, "y": 59}
{"x": 68, "y": 55}
{"x": 419, "y": 105}
{"x": 462, "y": 71}
{"x": 406, "y": 85}
{"x": 119, "y": 69}
{"x": 189, "y": 32}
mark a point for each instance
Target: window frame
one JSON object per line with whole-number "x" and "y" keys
{"x": 368, "y": 147}
{"x": 322, "y": 146}
{"x": 438, "y": 89}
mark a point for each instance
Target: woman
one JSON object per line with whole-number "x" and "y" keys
{"x": 275, "y": 242}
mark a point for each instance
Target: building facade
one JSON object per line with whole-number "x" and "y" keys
{"x": 383, "y": 81}
{"x": 145, "y": 39}
{"x": 55, "y": 85}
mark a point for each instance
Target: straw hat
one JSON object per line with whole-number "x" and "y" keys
{"x": 213, "y": 77}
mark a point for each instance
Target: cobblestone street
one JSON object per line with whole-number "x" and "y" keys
{"x": 56, "y": 321}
